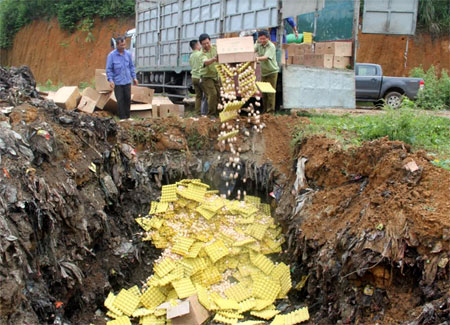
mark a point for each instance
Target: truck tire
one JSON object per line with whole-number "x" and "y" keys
{"x": 393, "y": 99}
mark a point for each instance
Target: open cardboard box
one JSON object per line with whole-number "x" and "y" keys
{"x": 142, "y": 94}
{"x": 67, "y": 97}
{"x": 188, "y": 311}
{"x": 235, "y": 49}
{"x": 86, "y": 104}
{"x": 141, "y": 111}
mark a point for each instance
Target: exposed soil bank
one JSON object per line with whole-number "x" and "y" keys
{"x": 59, "y": 56}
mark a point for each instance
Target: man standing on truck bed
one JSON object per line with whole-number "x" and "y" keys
{"x": 266, "y": 55}
{"x": 210, "y": 79}
{"x": 120, "y": 73}
{"x": 196, "y": 62}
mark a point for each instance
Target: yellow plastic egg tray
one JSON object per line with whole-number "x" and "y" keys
{"x": 213, "y": 248}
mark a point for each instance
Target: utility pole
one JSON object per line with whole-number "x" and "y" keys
{"x": 356, "y": 8}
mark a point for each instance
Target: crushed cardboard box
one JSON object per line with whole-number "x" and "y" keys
{"x": 67, "y": 97}
{"x": 189, "y": 311}
{"x": 86, "y": 105}
{"x": 214, "y": 249}
{"x": 235, "y": 49}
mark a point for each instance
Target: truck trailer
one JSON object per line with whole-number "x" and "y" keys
{"x": 164, "y": 28}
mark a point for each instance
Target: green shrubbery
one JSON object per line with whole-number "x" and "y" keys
{"x": 417, "y": 128}
{"x": 15, "y": 14}
{"x": 436, "y": 94}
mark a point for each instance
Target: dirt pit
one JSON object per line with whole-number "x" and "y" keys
{"x": 367, "y": 229}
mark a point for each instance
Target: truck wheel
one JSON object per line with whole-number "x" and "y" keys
{"x": 394, "y": 99}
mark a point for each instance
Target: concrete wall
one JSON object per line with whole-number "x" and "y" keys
{"x": 305, "y": 87}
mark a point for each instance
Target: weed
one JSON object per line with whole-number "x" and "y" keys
{"x": 86, "y": 84}
{"x": 436, "y": 94}
{"x": 419, "y": 129}
{"x": 49, "y": 86}
{"x": 442, "y": 163}
{"x": 140, "y": 135}
{"x": 160, "y": 128}
{"x": 196, "y": 141}
{"x": 64, "y": 44}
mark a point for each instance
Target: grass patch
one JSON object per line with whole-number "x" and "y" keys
{"x": 49, "y": 86}
{"x": 196, "y": 141}
{"x": 420, "y": 130}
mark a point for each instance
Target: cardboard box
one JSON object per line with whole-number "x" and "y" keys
{"x": 67, "y": 97}
{"x": 91, "y": 93}
{"x": 335, "y": 48}
{"x": 103, "y": 99}
{"x": 142, "y": 94}
{"x": 298, "y": 59}
{"x": 291, "y": 49}
{"x": 290, "y": 60}
{"x": 302, "y": 49}
{"x": 170, "y": 109}
{"x": 158, "y": 100}
{"x": 141, "y": 110}
{"x": 86, "y": 105}
{"x": 341, "y": 62}
{"x": 235, "y": 49}
{"x": 189, "y": 312}
{"x": 108, "y": 102}
{"x": 50, "y": 95}
{"x": 101, "y": 81}
{"x": 319, "y": 60}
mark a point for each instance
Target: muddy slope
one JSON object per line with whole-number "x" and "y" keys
{"x": 63, "y": 57}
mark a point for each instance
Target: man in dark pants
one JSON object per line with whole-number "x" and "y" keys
{"x": 120, "y": 73}
{"x": 210, "y": 77}
{"x": 196, "y": 62}
{"x": 266, "y": 55}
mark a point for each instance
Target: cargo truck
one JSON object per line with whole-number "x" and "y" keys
{"x": 160, "y": 45}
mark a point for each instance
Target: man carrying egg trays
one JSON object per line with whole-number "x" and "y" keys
{"x": 239, "y": 78}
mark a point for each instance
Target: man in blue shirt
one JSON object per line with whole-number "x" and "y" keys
{"x": 120, "y": 73}
{"x": 288, "y": 20}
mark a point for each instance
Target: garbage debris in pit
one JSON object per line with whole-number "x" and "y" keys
{"x": 214, "y": 249}
{"x": 17, "y": 84}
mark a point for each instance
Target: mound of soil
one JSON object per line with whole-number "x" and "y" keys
{"x": 371, "y": 228}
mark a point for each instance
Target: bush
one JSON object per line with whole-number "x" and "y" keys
{"x": 419, "y": 129}
{"x": 436, "y": 94}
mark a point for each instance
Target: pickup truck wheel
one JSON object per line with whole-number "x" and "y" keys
{"x": 393, "y": 99}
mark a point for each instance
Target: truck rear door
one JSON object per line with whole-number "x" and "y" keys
{"x": 368, "y": 82}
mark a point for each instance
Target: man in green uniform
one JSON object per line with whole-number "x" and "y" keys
{"x": 210, "y": 78}
{"x": 266, "y": 55}
{"x": 196, "y": 62}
